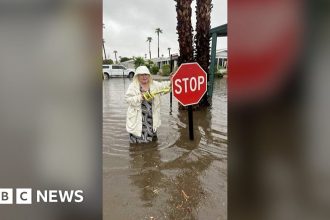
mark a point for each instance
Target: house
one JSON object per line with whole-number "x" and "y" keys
{"x": 129, "y": 64}
{"x": 166, "y": 60}
{"x": 222, "y": 58}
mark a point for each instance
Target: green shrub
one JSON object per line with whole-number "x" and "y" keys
{"x": 154, "y": 69}
{"x": 218, "y": 74}
{"x": 138, "y": 61}
{"x": 149, "y": 64}
{"x": 109, "y": 61}
{"x": 166, "y": 70}
{"x": 124, "y": 59}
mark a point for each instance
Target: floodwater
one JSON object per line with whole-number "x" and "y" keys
{"x": 173, "y": 177}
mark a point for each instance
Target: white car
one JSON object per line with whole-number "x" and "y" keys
{"x": 114, "y": 70}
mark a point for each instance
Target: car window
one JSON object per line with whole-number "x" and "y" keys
{"x": 115, "y": 67}
{"x": 105, "y": 67}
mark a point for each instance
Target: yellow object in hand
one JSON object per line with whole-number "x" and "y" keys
{"x": 150, "y": 95}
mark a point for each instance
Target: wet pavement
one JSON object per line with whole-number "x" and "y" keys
{"x": 173, "y": 177}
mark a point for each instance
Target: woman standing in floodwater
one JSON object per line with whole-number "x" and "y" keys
{"x": 143, "y": 114}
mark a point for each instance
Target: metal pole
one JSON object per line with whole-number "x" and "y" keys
{"x": 191, "y": 125}
{"x": 171, "y": 69}
{"x": 212, "y": 65}
{"x": 105, "y": 55}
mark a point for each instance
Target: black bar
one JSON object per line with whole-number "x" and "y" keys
{"x": 171, "y": 99}
{"x": 171, "y": 66}
{"x": 191, "y": 124}
{"x": 171, "y": 69}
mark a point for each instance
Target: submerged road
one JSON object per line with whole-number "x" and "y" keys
{"x": 173, "y": 177}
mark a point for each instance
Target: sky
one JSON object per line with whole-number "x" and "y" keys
{"x": 128, "y": 24}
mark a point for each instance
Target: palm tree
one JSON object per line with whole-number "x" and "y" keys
{"x": 149, "y": 39}
{"x": 169, "y": 52}
{"x": 158, "y": 31}
{"x": 185, "y": 31}
{"x": 202, "y": 37}
{"x": 115, "y": 51}
{"x": 103, "y": 41}
{"x": 105, "y": 56}
{"x": 138, "y": 61}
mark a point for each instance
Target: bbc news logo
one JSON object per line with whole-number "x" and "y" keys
{"x": 26, "y": 196}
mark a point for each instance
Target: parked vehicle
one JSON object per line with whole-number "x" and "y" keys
{"x": 115, "y": 70}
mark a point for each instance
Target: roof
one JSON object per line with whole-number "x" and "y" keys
{"x": 221, "y": 31}
{"x": 222, "y": 54}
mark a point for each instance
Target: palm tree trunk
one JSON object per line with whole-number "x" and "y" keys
{"x": 185, "y": 31}
{"x": 202, "y": 38}
{"x": 149, "y": 51}
{"x": 105, "y": 56}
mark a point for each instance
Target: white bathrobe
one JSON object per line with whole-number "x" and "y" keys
{"x": 134, "y": 112}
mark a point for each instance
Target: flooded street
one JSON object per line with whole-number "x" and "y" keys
{"x": 173, "y": 177}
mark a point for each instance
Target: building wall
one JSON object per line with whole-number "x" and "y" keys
{"x": 164, "y": 60}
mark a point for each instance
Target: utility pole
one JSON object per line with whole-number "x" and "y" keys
{"x": 115, "y": 52}
{"x": 105, "y": 55}
{"x": 103, "y": 41}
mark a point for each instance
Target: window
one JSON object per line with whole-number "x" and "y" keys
{"x": 115, "y": 67}
{"x": 105, "y": 67}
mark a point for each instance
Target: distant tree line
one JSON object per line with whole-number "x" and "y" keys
{"x": 122, "y": 59}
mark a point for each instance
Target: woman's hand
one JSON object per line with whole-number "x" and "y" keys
{"x": 143, "y": 91}
{"x": 170, "y": 77}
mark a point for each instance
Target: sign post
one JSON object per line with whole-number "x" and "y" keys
{"x": 189, "y": 84}
{"x": 191, "y": 122}
{"x": 171, "y": 69}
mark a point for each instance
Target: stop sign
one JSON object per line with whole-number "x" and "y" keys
{"x": 189, "y": 83}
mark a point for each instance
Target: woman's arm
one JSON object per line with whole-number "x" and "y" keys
{"x": 162, "y": 85}
{"x": 132, "y": 97}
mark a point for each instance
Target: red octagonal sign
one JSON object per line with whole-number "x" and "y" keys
{"x": 189, "y": 83}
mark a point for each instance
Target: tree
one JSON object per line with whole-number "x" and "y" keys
{"x": 124, "y": 59}
{"x": 138, "y": 61}
{"x": 202, "y": 37}
{"x": 108, "y": 61}
{"x": 169, "y": 52}
{"x": 149, "y": 39}
{"x": 149, "y": 63}
{"x": 103, "y": 41}
{"x": 105, "y": 56}
{"x": 115, "y": 52}
{"x": 158, "y": 31}
{"x": 185, "y": 31}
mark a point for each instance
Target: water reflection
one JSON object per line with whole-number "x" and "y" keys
{"x": 148, "y": 176}
{"x": 186, "y": 189}
{"x": 172, "y": 178}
